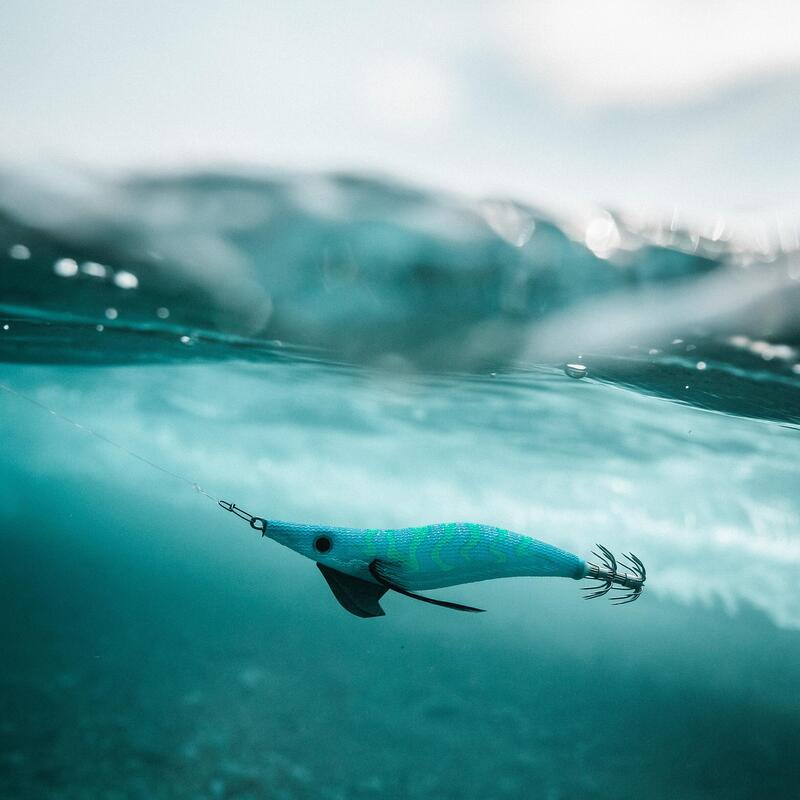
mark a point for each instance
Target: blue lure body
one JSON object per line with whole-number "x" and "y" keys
{"x": 431, "y": 556}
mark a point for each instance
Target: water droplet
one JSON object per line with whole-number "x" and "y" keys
{"x": 6, "y": 327}
{"x": 126, "y": 280}
{"x": 796, "y": 369}
{"x": 653, "y": 351}
{"x": 19, "y": 252}
{"x": 602, "y": 236}
{"x": 677, "y": 341}
{"x": 186, "y": 340}
{"x": 112, "y": 313}
{"x": 162, "y": 313}
{"x": 66, "y": 267}
{"x": 99, "y": 328}
{"x": 701, "y": 365}
{"x": 687, "y": 386}
{"x": 576, "y": 370}
{"x": 94, "y": 269}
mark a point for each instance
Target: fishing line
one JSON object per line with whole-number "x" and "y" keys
{"x": 86, "y": 429}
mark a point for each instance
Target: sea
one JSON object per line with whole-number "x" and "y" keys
{"x": 350, "y": 349}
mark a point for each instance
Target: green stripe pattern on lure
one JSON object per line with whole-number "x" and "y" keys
{"x": 362, "y": 564}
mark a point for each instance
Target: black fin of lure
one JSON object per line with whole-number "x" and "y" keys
{"x": 375, "y": 571}
{"x": 357, "y": 596}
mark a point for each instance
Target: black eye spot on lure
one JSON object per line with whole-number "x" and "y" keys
{"x": 322, "y": 544}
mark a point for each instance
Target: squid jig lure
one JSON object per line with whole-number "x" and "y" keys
{"x": 361, "y": 564}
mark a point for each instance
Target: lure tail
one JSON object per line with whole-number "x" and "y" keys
{"x": 631, "y": 581}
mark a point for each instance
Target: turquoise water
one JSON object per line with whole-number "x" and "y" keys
{"x": 354, "y": 352}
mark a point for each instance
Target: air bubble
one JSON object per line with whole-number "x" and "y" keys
{"x": 576, "y": 370}
{"x": 66, "y": 267}
{"x": 94, "y": 269}
{"x": 19, "y": 252}
{"x": 126, "y": 280}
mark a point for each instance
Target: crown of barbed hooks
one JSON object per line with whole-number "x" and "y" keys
{"x": 608, "y": 573}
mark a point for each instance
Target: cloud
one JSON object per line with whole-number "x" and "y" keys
{"x": 624, "y": 52}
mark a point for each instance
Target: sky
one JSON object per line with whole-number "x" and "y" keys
{"x": 626, "y": 103}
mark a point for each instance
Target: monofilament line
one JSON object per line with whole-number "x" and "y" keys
{"x": 196, "y": 486}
